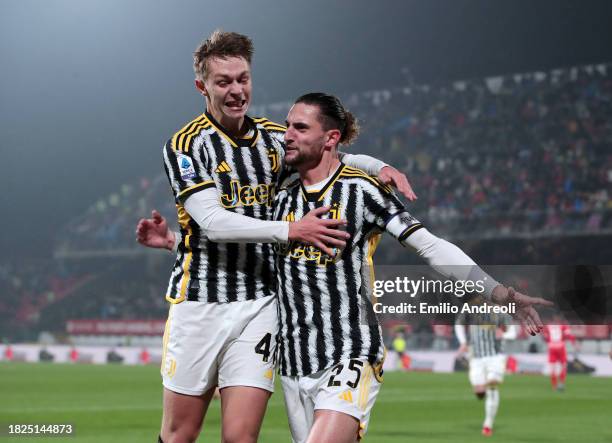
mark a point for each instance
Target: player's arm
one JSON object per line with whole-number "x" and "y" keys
{"x": 221, "y": 225}
{"x": 194, "y": 188}
{"x": 386, "y": 173}
{"x": 452, "y": 262}
{"x": 567, "y": 335}
{"x": 461, "y": 335}
{"x": 447, "y": 258}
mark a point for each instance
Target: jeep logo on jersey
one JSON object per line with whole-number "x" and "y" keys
{"x": 186, "y": 167}
{"x": 310, "y": 254}
{"x": 248, "y": 195}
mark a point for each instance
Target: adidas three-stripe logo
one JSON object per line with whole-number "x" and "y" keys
{"x": 223, "y": 167}
{"x": 346, "y": 396}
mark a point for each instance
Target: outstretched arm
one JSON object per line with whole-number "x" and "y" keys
{"x": 525, "y": 307}
{"x": 385, "y": 210}
{"x": 452, "y": 262}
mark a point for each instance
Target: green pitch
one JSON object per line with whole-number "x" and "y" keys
{"x": 123, "y": 404}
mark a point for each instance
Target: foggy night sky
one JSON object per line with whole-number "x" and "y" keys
{"x": 91, "y": 89}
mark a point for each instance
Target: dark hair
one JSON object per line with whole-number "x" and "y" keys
{"x": 333, "y": 115}
{"x": 221, "y": 44}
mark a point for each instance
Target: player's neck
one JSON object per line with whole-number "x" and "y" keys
{"x": 236, "y": 127}
{"x": 315, "y": 173}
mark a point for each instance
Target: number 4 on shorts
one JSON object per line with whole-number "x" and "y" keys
{"x": 263, "y": 347}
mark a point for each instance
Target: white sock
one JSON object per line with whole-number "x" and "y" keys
{"x": 491, "y": 406}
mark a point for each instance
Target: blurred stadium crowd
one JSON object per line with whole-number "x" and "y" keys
{"x": 516, "y": 169}
{"x": 515, "y": 155}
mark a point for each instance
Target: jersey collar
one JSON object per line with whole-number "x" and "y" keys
{"x": 318, "y": 195}
{"x": 248, "y": 142}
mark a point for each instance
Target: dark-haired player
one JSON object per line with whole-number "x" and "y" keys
{"x": 330, "y": 343}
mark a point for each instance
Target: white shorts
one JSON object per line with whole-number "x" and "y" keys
{"x": 220, "y": 344}
{"x": 350, "y": 387}
{"x": 484, "y": 370}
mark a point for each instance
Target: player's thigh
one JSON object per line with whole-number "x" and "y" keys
{"x": 495, "y": 369}
{"x": 246, "y": 369}
{"x": 242, "y": 412}
{"x": 351, "y": 388}
{"x": 249, "y": 360}
{"x": 477, "y": 374}
{"x": 299, "y": 405}
{"x": 183, "y": 415}
{"x": 333, "y": 427}
{"x": 194, "y": 338}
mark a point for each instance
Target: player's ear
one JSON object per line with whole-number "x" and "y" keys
{"x": 199, "y": 84}
{"x": 332, "y": 138}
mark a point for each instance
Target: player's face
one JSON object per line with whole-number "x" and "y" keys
{"x": 305, "y": 138}
{"x": 227, "y": 88}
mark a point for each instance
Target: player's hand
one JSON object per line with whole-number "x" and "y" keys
{"x": 321, "y": 233}
{"x": 154, "y": 233}
{"x": 391, "y": 176}
{"x": 462, "y": 349}
{"x": 525, "y": 307}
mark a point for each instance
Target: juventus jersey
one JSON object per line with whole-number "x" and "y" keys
{"x": 325, "y": 312}
{"x": 245, "y": 172}
{"x": 482, "y": 331}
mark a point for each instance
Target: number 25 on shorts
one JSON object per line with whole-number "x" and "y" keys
{"x": 354, "y": 366}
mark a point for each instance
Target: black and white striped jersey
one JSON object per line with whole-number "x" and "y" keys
{"x": 482, "y": 329}
{"x": 325, "y": 312}
{"x": 245, "y": 171}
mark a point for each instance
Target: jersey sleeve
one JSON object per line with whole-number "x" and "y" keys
{"x": 387, "y": 212}
{"x": 187, "y": 170}
{"x": 277, "y": 134}
{"x": 221, "y": 225}
{"x": 364, "y": 162}
{"x": 384, "y": 209}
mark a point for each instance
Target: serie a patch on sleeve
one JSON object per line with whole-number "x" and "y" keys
{"x": 186, "y": 167}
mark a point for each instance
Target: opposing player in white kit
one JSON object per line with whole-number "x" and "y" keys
{"x": 486, "y": 357}
{"x": 223, "y": 168}
{"x": 330, "y": 343}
